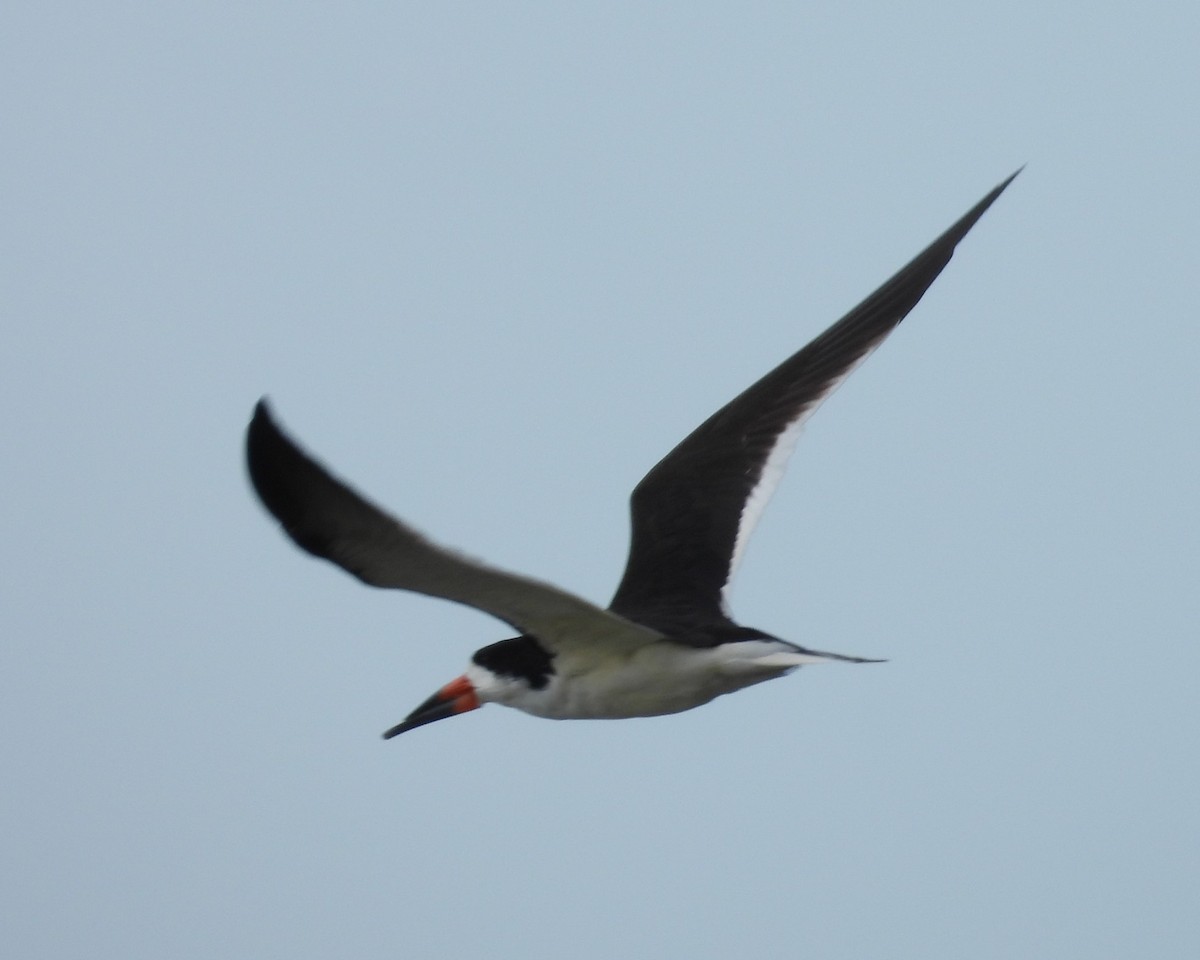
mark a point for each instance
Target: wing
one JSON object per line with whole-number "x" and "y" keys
{"x": 328, "y": 519}
{"x": 693, "y": 513}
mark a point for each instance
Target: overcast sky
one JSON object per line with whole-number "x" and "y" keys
{"x": 491, "y": 261}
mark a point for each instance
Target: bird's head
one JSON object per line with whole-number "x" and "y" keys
{"x": 508, "y": 672}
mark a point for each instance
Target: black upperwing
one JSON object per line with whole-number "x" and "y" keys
{"x": 330, "y": 520}
{"x": 691, "y": 514}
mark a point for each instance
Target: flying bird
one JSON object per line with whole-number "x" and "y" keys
{"x": 667, "y": 642}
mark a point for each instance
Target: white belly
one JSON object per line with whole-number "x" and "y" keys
{"x": 652, "y": 680}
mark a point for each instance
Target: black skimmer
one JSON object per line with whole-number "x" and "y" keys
{"x": 666, "y": 643}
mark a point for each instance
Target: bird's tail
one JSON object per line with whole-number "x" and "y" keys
{"x": 800, "y": 656}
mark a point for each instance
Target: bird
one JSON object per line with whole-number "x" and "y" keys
{"x": 667, "y": 641}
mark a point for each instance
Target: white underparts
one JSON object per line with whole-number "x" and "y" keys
{"x": 656, "y": 679}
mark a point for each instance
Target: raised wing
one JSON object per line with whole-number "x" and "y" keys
{"x": 329, "y": 520}
{"x": 693, "y": 512}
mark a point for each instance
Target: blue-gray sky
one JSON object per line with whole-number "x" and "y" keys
{"x": 491, "y": 261}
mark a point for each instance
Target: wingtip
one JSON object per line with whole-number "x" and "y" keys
{"x": 1011, "y": 177}
{"x": 945, "y": 244}
{"x": 262, "y": 409}
{"x": 1000, "y": 188}
{"x": 260, "y": 430}
{"x": 977, "y": 211}
{"x": 272, "y": 461}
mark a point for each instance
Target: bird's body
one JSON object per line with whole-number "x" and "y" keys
{"x": 666, "y": 643}
{"x": 611, "y": 682}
